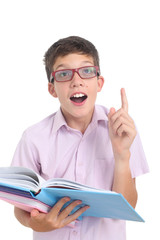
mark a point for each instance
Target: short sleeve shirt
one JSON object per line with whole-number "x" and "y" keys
{"x": 54, "y": 150}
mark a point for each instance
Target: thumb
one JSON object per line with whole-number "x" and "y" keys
{"x": 34, "y": 213}
{"x": 111, "y": 112}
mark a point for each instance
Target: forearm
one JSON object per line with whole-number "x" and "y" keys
{"x": 123, "y": 182}
{"x": 22, "y": 216}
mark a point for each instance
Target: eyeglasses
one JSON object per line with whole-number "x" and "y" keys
{"x": 67, "y": 74}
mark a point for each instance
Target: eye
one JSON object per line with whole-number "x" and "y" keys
{"x": 63, "y": 73}
{"x": 88, "y": 72}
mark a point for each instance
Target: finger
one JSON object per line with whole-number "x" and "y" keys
{"x": 67, "y": 210}
{"x": 37, "y": 216}
{"x": 124, "y": 100}
{"x": 111, "y": 112}
{"x": 34, "y": 213}
{"x": 124, "y": 129}
{"x": 119, "y": 121}
{"x": 120, "y": 113}
{"x": 75, "y": 215}
{"x": 58, "y": 206}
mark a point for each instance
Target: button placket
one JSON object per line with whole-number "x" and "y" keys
{"x": 80, "y": 171}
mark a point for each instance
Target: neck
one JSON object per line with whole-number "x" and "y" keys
{"x": 78, "y": 123}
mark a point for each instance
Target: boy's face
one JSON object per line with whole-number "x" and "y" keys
{"x": 76, "y": 108}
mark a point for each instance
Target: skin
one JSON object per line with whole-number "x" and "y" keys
{"x": 76, "y": 117}
{"x": 121, "y": 130}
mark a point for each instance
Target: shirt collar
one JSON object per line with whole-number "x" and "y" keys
{"x": 100, "y": 114}
{"x": 59, "y": 121}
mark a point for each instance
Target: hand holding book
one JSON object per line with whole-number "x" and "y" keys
{"x": 55, "y": 219}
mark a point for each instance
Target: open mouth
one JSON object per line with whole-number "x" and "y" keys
{"x": 78, "y": 98}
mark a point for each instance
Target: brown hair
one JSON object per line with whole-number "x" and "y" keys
{"x": 65, "y": 46}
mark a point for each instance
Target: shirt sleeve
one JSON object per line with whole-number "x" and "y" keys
{"x": 26, "y": 154}
{"x": 138, "y": 162}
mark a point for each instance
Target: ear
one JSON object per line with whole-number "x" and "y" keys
{"x": 51, "y": 90}
{"x": 100, "y": 83}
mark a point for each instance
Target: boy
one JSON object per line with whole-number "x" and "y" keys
{"x": 81, "y": 142}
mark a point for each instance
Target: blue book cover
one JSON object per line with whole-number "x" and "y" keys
{"x": 102, "y": 203}
{"x": 27, "y": 190}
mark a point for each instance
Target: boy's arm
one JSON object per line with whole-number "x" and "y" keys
{"x": 122, "y": 132}
{"x": 55, "y": 219}
{"x": 124, "y": 183}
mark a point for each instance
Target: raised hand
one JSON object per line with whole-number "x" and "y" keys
{"x": 122, "y": 130}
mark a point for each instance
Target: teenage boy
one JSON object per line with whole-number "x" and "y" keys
{"x": 82, "y": 142}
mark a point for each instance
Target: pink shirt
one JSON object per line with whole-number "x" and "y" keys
{"x": 53, "y": 149}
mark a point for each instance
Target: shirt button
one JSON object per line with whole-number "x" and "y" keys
{"x": 74, "y": 232}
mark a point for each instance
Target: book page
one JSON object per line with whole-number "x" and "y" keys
{"x": 64, "y": 183}
{"x": 20, "y": 177}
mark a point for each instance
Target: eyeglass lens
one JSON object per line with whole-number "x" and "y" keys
{"x": 84, "y": 72}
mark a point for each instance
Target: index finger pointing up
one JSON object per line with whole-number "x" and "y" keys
{"x": 124, "y": 100}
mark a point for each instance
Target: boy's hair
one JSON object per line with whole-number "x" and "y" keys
{"x": 65, "y": 46}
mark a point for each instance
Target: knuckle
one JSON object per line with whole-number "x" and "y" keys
{"x": 122, "y": 111}
{"x": 50, "y": 221}
{"x": 83, "y": 209}
{"x": 111, "y": 120}
{"x": 56, "y": 225}
{"x": 66, "y": 211}
{"x": 121, "y": 119}
{"x": 121, "y": 127}
{"x": 53, "y": 223}
{"x": 114, "y": 129}
{"x": 75, "y": 202}
{"x": 60, "y": 203}
{"x": 56, "y": 207}
{"x": 64, "y": 200}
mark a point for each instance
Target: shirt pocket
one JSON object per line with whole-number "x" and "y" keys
{"x": 104, "y": 172}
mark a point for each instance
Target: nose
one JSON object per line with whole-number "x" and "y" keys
{"x": 77, "y": 80}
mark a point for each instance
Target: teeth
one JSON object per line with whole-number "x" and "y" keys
{"x": 78, "y": 95}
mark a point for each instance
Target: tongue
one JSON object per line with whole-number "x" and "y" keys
{"x": 78, "y": 100}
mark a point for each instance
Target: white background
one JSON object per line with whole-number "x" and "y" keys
{"x": 127, "y": 35}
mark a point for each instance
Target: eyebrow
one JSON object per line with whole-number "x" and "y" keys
{"x": 66, "y": 67}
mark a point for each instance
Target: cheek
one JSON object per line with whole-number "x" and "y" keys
{"x": 62, "y": 95}
{"x": 59, "y": 91}
{"x": 93, "y": 94}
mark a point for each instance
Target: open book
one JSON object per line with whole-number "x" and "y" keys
{"x": 25, "y": 189}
